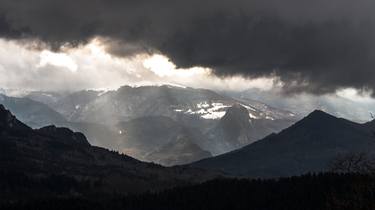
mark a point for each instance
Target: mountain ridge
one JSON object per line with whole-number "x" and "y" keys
{"x": 307, "y": 146}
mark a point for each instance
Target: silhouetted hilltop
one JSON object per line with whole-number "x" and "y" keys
{"x": 307, "y": 146}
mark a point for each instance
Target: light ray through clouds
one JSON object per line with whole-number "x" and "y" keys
{"x": 91, "y": 67}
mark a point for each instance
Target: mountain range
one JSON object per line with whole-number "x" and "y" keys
{"x": 53, "y": 154}
{"x": 142, "y": 121}
{"x": 176, "y": 126}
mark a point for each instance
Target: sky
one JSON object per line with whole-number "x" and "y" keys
{"x": 308, "y": 47}
{"x": 90, "y": 67}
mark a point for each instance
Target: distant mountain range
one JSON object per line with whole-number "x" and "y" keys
{"x": 59, "y": 154}
{"x": 309, "y": 145}
{"x": 33, "y": 113}
{"x": 128, "y": 103}
{"x": 185, "y": 123}
{"x": 355, "y": 109}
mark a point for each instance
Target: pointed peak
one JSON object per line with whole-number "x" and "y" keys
{"x": 236, "y": 113}
{"x": 318, "y": 117}
{"x": 319, "y": 113}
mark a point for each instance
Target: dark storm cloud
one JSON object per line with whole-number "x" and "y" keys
{"x": 313, "y": 46}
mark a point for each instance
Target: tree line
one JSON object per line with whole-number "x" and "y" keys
{"x": 325, "y": 191}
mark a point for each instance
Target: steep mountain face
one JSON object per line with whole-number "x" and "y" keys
{"x": 144, "y": 138}
{"x": 31, "y": 112}
{"x": 50, "y": 152}
{"x": 308, "y": 146}
{"x": 232, "y": 131}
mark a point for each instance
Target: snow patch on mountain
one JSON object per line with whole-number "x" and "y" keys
{"x": 205, "y": 110}
{"x": 216, "y": 110}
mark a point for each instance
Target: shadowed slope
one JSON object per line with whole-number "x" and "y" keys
{"x": 309, "y": 145}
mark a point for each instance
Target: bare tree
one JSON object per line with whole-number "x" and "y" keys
{"x": 353, "y": 163}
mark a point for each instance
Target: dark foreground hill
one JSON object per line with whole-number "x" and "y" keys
{"x": 308, "y": 192}
{"x": 310, "y": 145}
{"x": 54, "y": 162}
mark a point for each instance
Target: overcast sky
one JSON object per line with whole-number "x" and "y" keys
{"x": 91, "y": 67}
{"x": 301, "y": 46}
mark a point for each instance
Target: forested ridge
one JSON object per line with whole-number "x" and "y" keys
{"x": 310, "y": 191}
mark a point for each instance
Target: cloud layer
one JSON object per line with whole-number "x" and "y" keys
{"x": 91, "y": 67}
{"x": 310, "y": 46}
